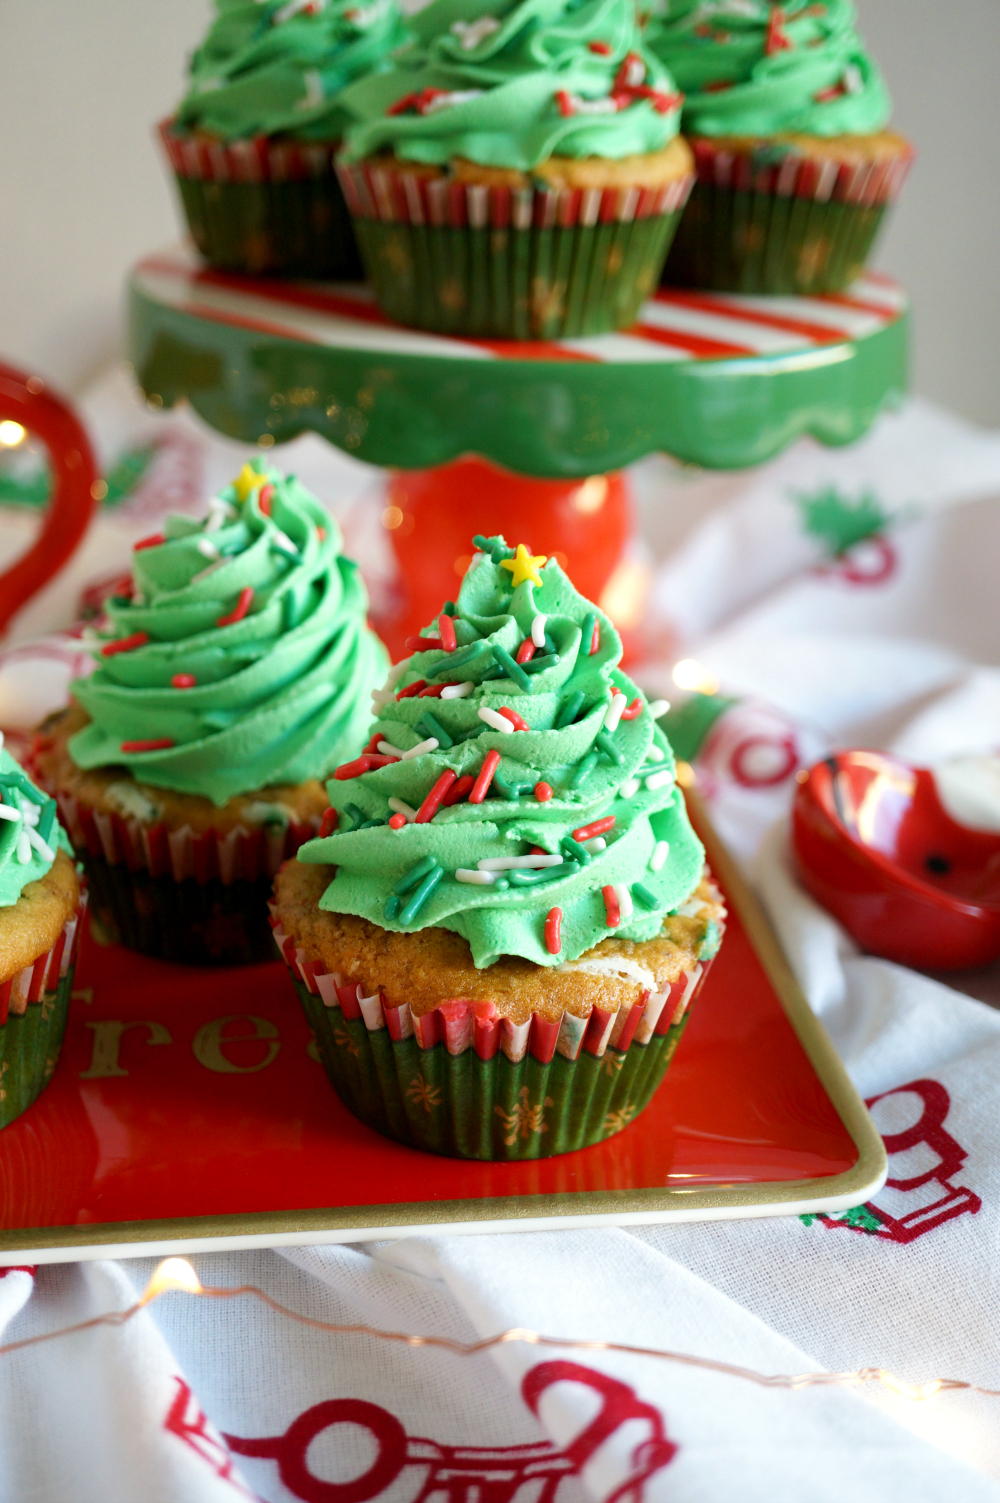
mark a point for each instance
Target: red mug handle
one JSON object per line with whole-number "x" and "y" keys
{"x": 75, "y": 486}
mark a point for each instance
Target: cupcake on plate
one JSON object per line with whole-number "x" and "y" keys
{"x": 518, "y": 173}
{"x": 499, "y": 934}
{"x": 234, "y": 678}
{"x": 252, "y": 144}
{"x": 40, "y": 910}
{"x": 787, "y": 116}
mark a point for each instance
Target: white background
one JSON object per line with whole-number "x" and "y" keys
{"x": 82, "y": 83}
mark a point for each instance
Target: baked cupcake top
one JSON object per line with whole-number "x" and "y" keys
{"x": 30, "y": 834}
{"x": 516, "y": 788}
{"x": 270, "y": 67}
{"x": 751, "y": 68}
{"x": 512, "y": 84}
{"x": 242, "y": 658}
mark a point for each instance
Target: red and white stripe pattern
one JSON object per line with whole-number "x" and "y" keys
{"x": 259, "y": 160}
{"x": 675, "y": 325}
{"x": 866, "y": 183}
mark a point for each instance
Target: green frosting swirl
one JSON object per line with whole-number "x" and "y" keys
{"x": 280, "y": 695}
{"x": 269, "y": 66}
{"x": 823, "y": 83}
{"x": 593, "y": 774}
{"x": 29, "y": 843}
{"x": 506, "y": 64}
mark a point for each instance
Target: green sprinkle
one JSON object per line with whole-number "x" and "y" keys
{"x": 587, "y": 635}
{"x": 513, "y": 670}
{"x": 492, "y": 673}
{"x": 512, "y": 791}
{"x": 393, "y": 906}
{"x": 419, "y": 898}
{"x": 454, "y": 660}
{"x": 493, "y": 547}
{"x": 20, "y": 782}
{"x": 289, "y": 611}
{"x": 605, "y": 744}
{"x": 584, "y": 770}
{"x": 355, "y": 814}
{"x": 46, "y": 820}
{"x": 415, "y": 874}
{"x": 448, "y": 609}
{"x": 539, "y": 665}
{"x": 573, "y": 848}
{"x": 433, "y": 727}
{"x": 570, "y": 710}
{"x": 709, "y": 946}
{"x": 545, "y": 874}
{"x": 550, "y": 646}
{"x": 474, "y": 730}
{"x": 370, "y": 824}
{"x": 644, "y": 896}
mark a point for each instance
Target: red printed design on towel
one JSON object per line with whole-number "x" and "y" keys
{"x": 29, "y": 1268}
{"x": 872, "y": 562}
{"x": 188, "y": 1421}
{"x": 931, "y": 1197}
{"x": 451, "y": 1474}
{"x": 751, "y": 745}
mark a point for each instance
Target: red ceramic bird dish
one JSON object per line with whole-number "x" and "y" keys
{"x": 875, "y": 845}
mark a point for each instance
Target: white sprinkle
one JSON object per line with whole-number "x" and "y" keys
{"x": 634, "y": 71}
{"x": 498, "y": 722}
{"x": 580, "y": 106}
{"x": 219, "y": 512}
{"x": 380, "y": 697}
{"x": 398, "y": 807}
{"x": 471, "y": 33}
{"x": 624, "y": 901}
{"x": 630, "y": 788}
{"x": 388, "y": 750}
{"x": 204, "y": 573}
{"x": 478, "y": 879}
{"x": 655, "y": 753}
{"x": 659, "y": 779}
{"x": 854, "y": 81}
{"x": 661, "y": 851}
{"x": 393, "y": 677}
{"x": 538, "y": 630}
{"x": 23, "y": 849}
{"x": 30, "y": 812}
{"x": 283, "y": 543}
{"x": 658, "y": 707}
{"x": 457, "y": 691}
{"x": 512, "y": 863}
{"x": 596, "y": 845}
{"x": 431, "y": 744}
{"x": 138, "y": 598}
{"x": 614, "y": 711}
{"x": 40, "y": 845}
{"x": 445, "y": 101}
{"x": 314, "y": 95}
{"x": 207, "y": 548}
{"x": 6, "y": 812}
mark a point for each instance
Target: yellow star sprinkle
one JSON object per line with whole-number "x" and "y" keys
{"x": 522, "y": 566}
{"x": 247, "y": 481}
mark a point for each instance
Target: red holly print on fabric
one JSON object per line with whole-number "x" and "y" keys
{"x": 751, "y": 745}
{"x": 187, "y": 1420}
{"x": 459, "y": 1474}
{"x": 935, "y": 1198}
{"x": 872, "y": 562}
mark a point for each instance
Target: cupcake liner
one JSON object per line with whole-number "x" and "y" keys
{"x": 200, "y": 899}
{"x": 34, "y": 1005}
{"x": 795, "y": 225}
{"x": 465, "y": 1082}
{"x": 261, "y": 205}
{"x": 509, "y": 263}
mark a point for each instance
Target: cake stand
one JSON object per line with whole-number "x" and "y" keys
{"x": 718, "y": 380}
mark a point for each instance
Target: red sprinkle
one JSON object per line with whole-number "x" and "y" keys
{"x": 321, "y": 534}
{"x": 125, "y": 644}
{"x": 611, "y": 906}
{"x": 632, "y": 710}
{"x": 240, "y": 609}
{"x": 153, "y": 541}
{"x": 432, "y": 802}
{"x": 595, "y": 640}
{"x": 603, "y": 49}
{"x": 379, "y": 759}
{"x": 716, "y": 88}
{"x": 514, "y": 718}
{"x": 491, "y": 762}
{"x": 162, "y": 743}
{"x": 553, "y": 926}
{"x": 446, "y": 631}
{"x": 397, "y": 821}
{"x": 183, "y": 681}
{"x": 433, "y": 691}
{"x": 565, "y": 103}
{"x": 329, "y": 822}
{"x": 543, "y": 792}
{"x": 836, "y": 91}
{"x": 598, "y": 827}
{"x": 776, "y": 41}
{"x": 421, "y": 644}
{"x": 526, "y": 651}
{"x": 264, "y": 499}
{"x": 372, "y": 746}
{"x": 539, "y": 850}
{"x": 458, "y": 791}
{"x": 353, "y": 769}
{"x": 412, "y": 689}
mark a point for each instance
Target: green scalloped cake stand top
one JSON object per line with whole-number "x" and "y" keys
{"x": 715, "y": 379}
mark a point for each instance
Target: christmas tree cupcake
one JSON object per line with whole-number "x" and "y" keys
{"x": 517, "y": 173}
{"x": 787, "y": 116}
{"x": 40, "y": 910}
{"x": 233, "y": 678}
{"x": 499, "y": 933}
{"x": 253, "y": 142}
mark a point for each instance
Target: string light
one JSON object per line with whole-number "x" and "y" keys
{"x": 176, "y": 1274}
{"x": 688, "y": 674}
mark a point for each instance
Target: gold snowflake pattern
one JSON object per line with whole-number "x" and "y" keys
{"x": 615, "y": 1121}
{"x": 612, "y": 1063}
{"x": 343, "y": 1040}
{"x": 524, "y": 1119}
{"x": 421, "y": 1094}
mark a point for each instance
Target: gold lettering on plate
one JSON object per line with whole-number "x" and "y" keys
{"x": 107, "y": 1042}
{"x": 208, "y": 1044}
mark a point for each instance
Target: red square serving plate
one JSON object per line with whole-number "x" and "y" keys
{"x": 188, "y": 1112}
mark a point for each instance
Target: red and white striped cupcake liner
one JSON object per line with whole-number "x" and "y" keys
{"x": 258, "y": 159}
{"x": 821, "y": 180}
{"x": 28, "y": 987}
